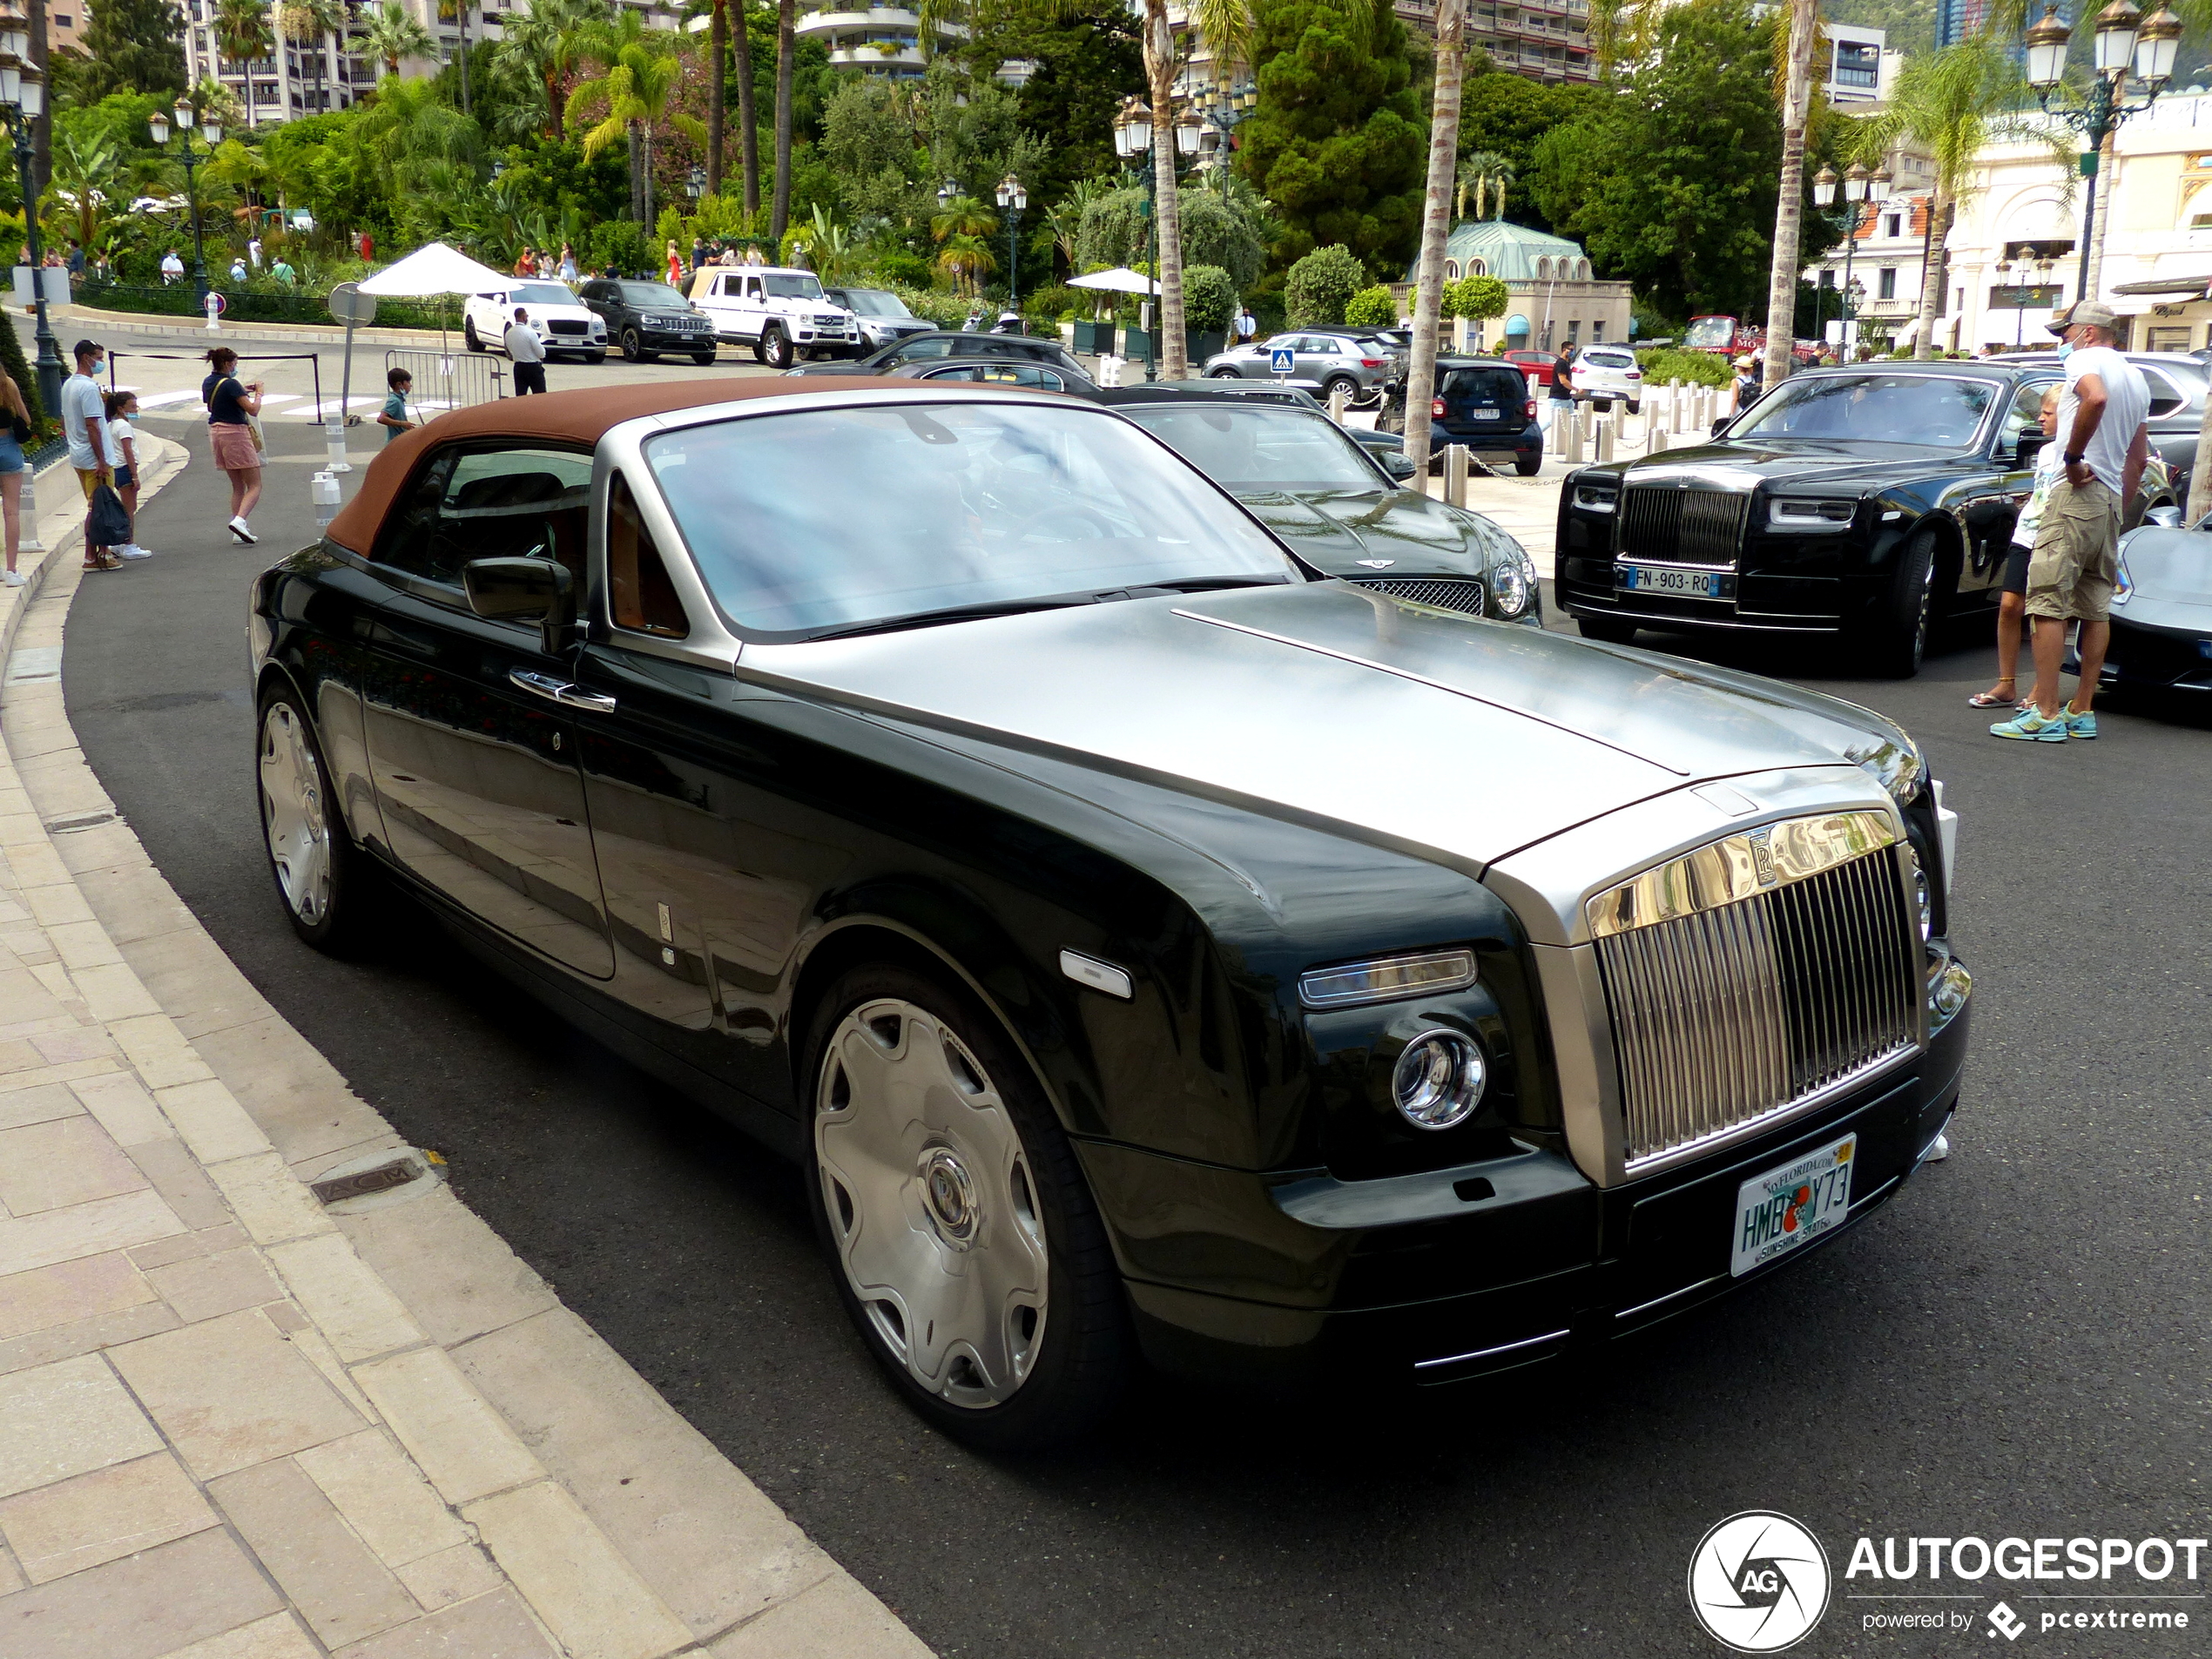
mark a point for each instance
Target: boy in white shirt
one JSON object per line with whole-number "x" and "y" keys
{"x": 123, "y": 449}
{"x": 2012, "y": 604}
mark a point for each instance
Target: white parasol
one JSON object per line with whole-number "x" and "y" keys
{"x": 1119, "y": 279}
{"x": 434, "y": 269}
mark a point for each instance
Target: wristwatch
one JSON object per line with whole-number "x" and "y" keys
{"x": 2072, "y": 457}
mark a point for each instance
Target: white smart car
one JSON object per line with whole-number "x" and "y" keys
{"x": 562, "y": 325}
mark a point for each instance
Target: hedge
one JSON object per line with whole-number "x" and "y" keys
{"x": 1699, "y": 367}
{"x": 177, "y": 299}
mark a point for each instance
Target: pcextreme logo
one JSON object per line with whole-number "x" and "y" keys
{"x": 1758, "y": 1582}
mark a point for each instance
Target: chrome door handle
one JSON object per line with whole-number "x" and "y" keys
{"x": 560, "y": 690}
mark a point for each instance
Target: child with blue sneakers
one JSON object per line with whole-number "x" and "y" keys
{"x": 2012, "y": 604}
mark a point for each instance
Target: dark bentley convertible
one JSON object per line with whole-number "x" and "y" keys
{"x": 1864, "y": 502}
{"x": 1028, "y": 845}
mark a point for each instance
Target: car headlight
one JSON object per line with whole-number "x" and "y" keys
{"x": 1512, "y": 580}
{"x": 1804, "y": 513}
{"x": 1439, "y": 1080}
{"x": 1596, "y": 498}
{"x": 1897, "y": 766}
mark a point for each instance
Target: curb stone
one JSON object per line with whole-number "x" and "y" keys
{"x": 234, "y": 1424}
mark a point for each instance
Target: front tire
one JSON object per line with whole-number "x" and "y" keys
{"x": 316, "y": 868}
{"x": 703, "y": 359}
{"x": 595, "y": 357}
{"x": 1897, "y": 639}
{"x": 633, "y": 349}
{"x": 778, "y": 348}
{"x": 964, "y": 1241}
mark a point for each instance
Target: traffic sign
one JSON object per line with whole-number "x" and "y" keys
{"x": 348, "y": 304}
{"x": 1282, "y": 359}
{"x": 215, "y": 303}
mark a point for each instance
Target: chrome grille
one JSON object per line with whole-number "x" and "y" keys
{"x": 1446, "y": 594}
{"x": 1684, "y": 526}
{"x": 1741, "y": 980}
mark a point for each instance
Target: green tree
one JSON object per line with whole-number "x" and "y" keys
{"x": 1485, "y": 175}
{"x": 1321, "y": 285}
{"x": 1671, "y": 182}
{"x": 90, "y": 173}
{"x": 131, "y": 46}
{"x": 393, "y": 32}
{"x": 242, "y": 32}
{"x": 868, "y": 138}
{"x": 1476, "y": 298}
{"x": 1336, "y": 143}
{"x": 1088, "y": 60}
{"x": 307, "y": 25}
{"x": 1208, "y": 298}
{"x": 1504, "y": 116}
{"x": 634, "y": 96}
{"x": 535, "y": 50}
{"x": 1372, "y": 308}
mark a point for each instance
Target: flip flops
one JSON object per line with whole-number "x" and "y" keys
{"x": 1991, "y": 700}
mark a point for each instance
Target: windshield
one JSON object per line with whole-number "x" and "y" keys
{"x": 1710, "y": 333}
{"x": 1876, "y": 408}
{"x": 874, "y": 302}
{"x": 653, "y": 294}
{"x": 791, "y": 285}
{"x": 967, "y": 503}
{"x": 540, "y": 293}
{"x": 1259, "y": 447}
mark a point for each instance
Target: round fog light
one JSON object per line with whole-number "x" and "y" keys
{"x": 1437, "y": 1082}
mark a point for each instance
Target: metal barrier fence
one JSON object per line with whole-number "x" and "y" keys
{"x": 449, "y": 379}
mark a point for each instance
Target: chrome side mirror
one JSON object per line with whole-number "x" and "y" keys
{"x": 2167, "y": 517}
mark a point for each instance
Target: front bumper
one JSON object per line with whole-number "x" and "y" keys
{"x": 1537, "y": 1262}
{"x": 692, "y": 340}
{"x": 2152, "y": 658}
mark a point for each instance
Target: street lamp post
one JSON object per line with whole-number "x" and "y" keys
{"x": 1860, "y": 187}
{"x": 2124, "y": 39}
{"x": 1226, "y": 106}
{"x": 1013, "y": 198}
{"x": 211, "y": 133}
{"x": 1133, "y": 143}
{"x": 22, "y": 98}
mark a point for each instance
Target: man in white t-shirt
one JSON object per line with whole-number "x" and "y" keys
{"x": 2104, "y": 432}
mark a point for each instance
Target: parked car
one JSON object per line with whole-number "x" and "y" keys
{"x": 2178, "y": 383}
{"x": 781, "y": 316}
{"x": 563, "y": 324}
{"x": 1536, "y": 365}
{"x": 1608, "y": 371}
{"x": 646, "y": 319}
{"x": 1862, "y": 503}
{"x": 1331, "y": 359}
{"x": 949, "y": 343}
{"x": 1343, "y": 509}
{"x": 1483, "y": 402}
{"x": 1142, "y": 948}
{"x": 882, "y": 315}
{"x": 2161, "y": 614}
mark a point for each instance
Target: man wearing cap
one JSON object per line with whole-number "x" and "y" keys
{"x": 2104, "y": 425}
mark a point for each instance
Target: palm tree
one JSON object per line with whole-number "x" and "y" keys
{"x": 535, "y": 50}
{"x": 242, "y": 32}
{"x": 638, "y": 93}
{"x": 309, "y": 25}
{"x": 786, "y": 21}
{"x": 1788, "y": 210}
{"x": 1436, "y": 221}
{"x": 89, "y": 172}
{"x": 748, "y": 114}
{"x": 394, "y": 32}
{"x": 1484, "y": 173}
{"x": 456, "y": 13}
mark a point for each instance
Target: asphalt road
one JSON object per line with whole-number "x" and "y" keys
{"x": 2018, "y": 1345}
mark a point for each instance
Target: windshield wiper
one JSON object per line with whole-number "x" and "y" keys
{"x": 1050, "y": 602}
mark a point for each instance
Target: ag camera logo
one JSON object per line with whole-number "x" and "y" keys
{"x": 1758, "y": 1582}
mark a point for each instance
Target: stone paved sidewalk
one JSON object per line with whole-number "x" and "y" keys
{"x": 238, "y": 1423}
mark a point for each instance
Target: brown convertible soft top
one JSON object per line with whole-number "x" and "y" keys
{"x": 557, "y": 417}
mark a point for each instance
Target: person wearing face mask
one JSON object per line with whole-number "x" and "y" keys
{"x": 2103, "y": 424}
{"x": 85, "y": 424}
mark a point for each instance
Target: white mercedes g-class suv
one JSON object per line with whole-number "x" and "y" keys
{"x": 782, "y": 315}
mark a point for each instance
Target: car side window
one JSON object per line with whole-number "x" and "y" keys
{"x": 490, "y": 504}
{"x": 2164, "y": 399}
{"x": 639, "y": 594}
{"x": 2027, "y": 412}
{"x": 921, "y": 349}
{"x": 752, "y": 287}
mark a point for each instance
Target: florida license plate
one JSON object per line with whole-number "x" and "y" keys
{"x": 1790, "y": 1207}
{"x": 1697, "y": 584}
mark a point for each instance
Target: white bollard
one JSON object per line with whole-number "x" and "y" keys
{"x": 1570, "y": 447}
{"x": 29, "y": 543}
{"x": 1659, "y": 439}
{"x": 214, "y": 304}
{"x": 1339, "y": 401}
{"x": 1602, "y": 450}
{"x": 1456, "y": 474}
{"x": 1673, "y": 406}
{"x": 323, "y": 490}
{"x": 334, "y": 438}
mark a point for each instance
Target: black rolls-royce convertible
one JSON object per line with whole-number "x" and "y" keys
{"x": 1147, "y": 947}
{"x": 1861, "y": 504}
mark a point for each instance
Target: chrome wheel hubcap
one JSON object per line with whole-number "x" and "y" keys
{"x": 292, "y": 815}
{"x": 932, "y": 1203}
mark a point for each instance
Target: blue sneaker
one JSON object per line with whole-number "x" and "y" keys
{"x": 2030, "y": 724}
{"x": 2080, "y": 725}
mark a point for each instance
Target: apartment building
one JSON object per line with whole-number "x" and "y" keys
{"x": 1862, "y": 71}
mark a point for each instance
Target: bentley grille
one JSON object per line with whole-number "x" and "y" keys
{"x": 1752, "y": 973}
{"x": 1684, "y": 526}
{"x": 1446, "y": 595}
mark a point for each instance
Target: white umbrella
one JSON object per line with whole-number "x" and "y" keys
{"x": 436, "y": 269}
{"x": 1119, "y": 279}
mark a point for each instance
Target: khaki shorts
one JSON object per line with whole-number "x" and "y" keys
{"x": 2070, "y": 574}
{"x": 92, "y": 477}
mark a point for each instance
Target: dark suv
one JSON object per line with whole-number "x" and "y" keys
{"x": 645, "y": 319}
{"x": 1483, "y": 402}
{"x": 945, "y": 342}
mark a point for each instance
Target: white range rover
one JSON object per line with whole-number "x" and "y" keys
{"x": 782, "y": 315}
{"x": 562, "y": 325}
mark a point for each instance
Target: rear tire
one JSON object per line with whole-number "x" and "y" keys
{"x": 469, "y": 336}
{"x": 948, "y": 1198}
{"x": 318, "y": 871}
{"x": 1349, "y": 386}
{"x": 1896, "y": 637}
{"x": 1635, "y": 406}
{"x": 1607, "y": 630}
{"x": 1224, "y": 375}
{"x": 1528, "y": 466}
{"x": 595, "y": 357}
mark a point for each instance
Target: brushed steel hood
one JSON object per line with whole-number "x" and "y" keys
{"x": 1449, "y": 737}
